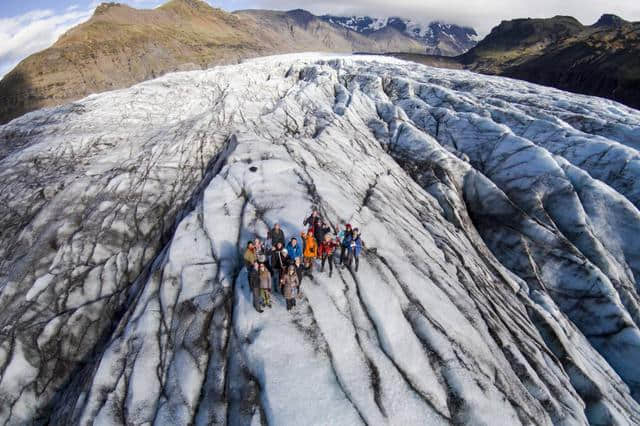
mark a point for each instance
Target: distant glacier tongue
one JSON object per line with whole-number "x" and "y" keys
{"x": 499, "y": 285}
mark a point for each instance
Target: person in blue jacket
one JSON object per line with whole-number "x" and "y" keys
{"x": 345, "y": 240}
{"x": 354, "y": 248}
{"x": 294, "y": 249}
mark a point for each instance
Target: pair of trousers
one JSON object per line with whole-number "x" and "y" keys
{"x": 327, "y": 257}
{"x": 308, "y": 264}
{"x": 291, "y": 303}
{"x": 350, "y": 257}
{"x": 265, "y": 293}
{"x": 257, "y": 298}
{"x": 275, "y": 278}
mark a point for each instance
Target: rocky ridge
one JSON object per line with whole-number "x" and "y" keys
{"x": 601, "y": 59}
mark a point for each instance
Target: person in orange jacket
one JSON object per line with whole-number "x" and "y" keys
{"x": 310, "y": 251}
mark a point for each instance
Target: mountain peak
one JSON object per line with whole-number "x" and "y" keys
{"x": 610, "y": 20}
{"x": 191, "y": 3}
{"x": 527, "y": 32}
{"x": 187, "y": 5}
{"x": 301, "y": 16}
{"x": 104, "y": 7}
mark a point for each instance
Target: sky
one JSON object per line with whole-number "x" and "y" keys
{"x": 28, "y": 26}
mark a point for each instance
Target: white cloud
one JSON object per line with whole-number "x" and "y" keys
{"x": 22, "y": 35}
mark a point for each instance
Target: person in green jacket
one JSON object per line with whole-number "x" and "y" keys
{"x": 250, "y": 256}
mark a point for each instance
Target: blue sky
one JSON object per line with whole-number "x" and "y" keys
{"x": 28, "y": 26}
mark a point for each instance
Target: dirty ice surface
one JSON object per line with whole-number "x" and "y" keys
{"x": 499, "y": 285}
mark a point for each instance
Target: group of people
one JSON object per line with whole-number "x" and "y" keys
{"x": 279, "y": 265}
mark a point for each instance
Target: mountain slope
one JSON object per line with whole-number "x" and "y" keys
{"x": 298, "y": 30}
{"x": 602, "y": 59}
{"x": 438, "y": 38}
{"x": 500, "y": 284}
{"x": 120, "y": 46}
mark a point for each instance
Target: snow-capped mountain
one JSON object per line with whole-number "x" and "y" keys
{"x": 439, "y": 38}
{"x": 499, "y": 285}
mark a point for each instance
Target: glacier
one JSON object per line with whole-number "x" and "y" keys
{"x": 500, "y": 284}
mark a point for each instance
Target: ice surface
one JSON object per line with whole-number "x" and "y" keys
{"x": 499, "y": 285}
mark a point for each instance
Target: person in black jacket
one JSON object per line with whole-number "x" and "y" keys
{"x": 286, "y": 262}
{"x": 254, "y": 285}
{"x": 277, "y": 264}
{"x": 314, "y": 223}
{"x": 276, "y": 235}
{"x": 300, "y": 271}
{"x": 322, "y": 231}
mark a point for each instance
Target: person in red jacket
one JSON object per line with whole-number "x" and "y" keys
{"x": 326, "y": 250}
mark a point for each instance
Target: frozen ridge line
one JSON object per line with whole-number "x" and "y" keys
{"x": 504, "y": 287}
